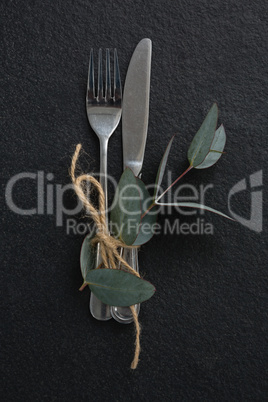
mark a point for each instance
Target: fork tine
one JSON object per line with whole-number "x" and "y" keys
{"x": 108, "y": 77}
{"x": 90, "y": 82}
{"x": 117, "y": 81}
{"x": 100, "y": 78}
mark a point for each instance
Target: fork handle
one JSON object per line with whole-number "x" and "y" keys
{"x": 124, "y": 314}
{"x": 103, "y": 171}
{"x": 98, "y": 309}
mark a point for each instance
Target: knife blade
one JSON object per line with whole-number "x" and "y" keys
{"x": 135, "y": 115}
{"x": 135, "y": 112}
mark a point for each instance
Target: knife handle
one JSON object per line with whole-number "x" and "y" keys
{"x": 124, "y": 314}
{"x": 98, "y": 309}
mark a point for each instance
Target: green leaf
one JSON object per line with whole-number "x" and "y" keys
{"x": 216, "y": 149}
{"x": 146, "y": 229}
{"x": 126, "y": 209}
{"x": 87, "y": 255}
{"x": 118, "y": 288}
{"x": 194, "y": 205}
{"x": 161, "y": 169}
{"x": 200, "y": 146}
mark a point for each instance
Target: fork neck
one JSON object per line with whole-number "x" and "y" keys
{"x": 103, "y": 171}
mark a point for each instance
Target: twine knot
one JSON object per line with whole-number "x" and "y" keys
{"x": 109, "y": 245}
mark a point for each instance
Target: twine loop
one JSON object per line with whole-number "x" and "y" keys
{"x": 109, "y": 246}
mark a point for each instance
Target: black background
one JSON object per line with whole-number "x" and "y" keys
{"x": 205, "y": 331}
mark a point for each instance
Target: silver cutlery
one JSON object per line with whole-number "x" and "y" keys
{"x": 134, "y": 133}
{"x": 104, "y": 113}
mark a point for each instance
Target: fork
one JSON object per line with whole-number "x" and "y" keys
{"x": 104, "y": 112}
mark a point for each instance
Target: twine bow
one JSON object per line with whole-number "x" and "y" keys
{"x": 109, "y": 246}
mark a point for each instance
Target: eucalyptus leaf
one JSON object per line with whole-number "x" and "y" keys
{"x": 162, "y": 167}
{"x": 201, "y": 144}
{"x": 118, "y": 288}
{"x": 146, "y": 229}
{"x": 87, "y": 255}
{"x": 194, "y": 205}
{"x": 126, "y": 211}
{"x": 216, "y": 149}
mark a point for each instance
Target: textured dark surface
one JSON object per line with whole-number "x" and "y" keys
{"x": 204, "y": 333}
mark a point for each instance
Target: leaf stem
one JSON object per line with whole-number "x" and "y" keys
{"x": 149, "y": 209}
{"x": 155, "y": 201}
{"x": 174, "y": 182}
{"x": 83, "y": 286}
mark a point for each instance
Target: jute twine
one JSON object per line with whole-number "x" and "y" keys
{"x": 109, "y": 246}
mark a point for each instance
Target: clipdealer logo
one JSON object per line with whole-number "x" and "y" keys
{"x": 256, "y": 201}
{"x": 46, "y": 193}
{"x": 50, "y": 201}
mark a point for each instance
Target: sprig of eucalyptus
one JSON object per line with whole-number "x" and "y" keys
{"x": 134, "y": 213}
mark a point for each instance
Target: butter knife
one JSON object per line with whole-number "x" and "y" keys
{"x": 135, "y": 114}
